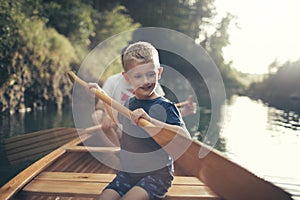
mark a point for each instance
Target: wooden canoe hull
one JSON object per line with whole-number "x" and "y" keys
{"x": 209, "y": 177}
{"x": 226, "y": 178}
{"x": 73, "y": 172}
{"x": 30, "y": 146}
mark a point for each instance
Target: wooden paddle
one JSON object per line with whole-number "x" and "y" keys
{"x": 227, "y": 179}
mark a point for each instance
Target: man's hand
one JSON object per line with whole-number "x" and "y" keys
{"x": 190, "y": 107}
{"x": 95, "y": 86}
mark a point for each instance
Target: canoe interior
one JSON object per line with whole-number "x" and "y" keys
{"x": 76, "y": 173}
{"x": 31, "y": 146}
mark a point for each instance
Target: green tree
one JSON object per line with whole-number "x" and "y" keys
{"x": 186, "y": 16}
{"x": 41, "y": 40}
{"x": 214, "y": 44}
{"x": 111, "y": 22}
{"x": 195, "y": 19}
{"x": 10, "y": 39}
{"x": 72, "y": 18}
{"x": 273, "y": 67}
{"x": 281, "y": 88}
{"x": 33, "y": 71}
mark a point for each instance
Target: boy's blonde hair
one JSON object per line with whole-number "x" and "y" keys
{"x": 142, "y": 52}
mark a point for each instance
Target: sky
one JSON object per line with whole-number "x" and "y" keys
{"x": 269, "y": 30}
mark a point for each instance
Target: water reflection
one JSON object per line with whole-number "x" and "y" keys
{"x": 201, "y": 134}
{"x": 263, "y": 139}
{"x": 280, "y": 120}
{"x": 22, "y": 123}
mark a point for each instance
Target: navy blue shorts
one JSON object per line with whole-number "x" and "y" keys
{"x": 155, "y": 184}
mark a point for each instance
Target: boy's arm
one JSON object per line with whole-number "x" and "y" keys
{"x": 140, "y": 113}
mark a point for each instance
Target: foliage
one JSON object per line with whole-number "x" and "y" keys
{"x": 280, "y": 88}
{"x": 111, "y": 22}
{"x": 41, "y": 39}
{"x": 72, "y": 18}
{"x": 10, "y": 39}
{"x": 185, "y": 16}
{"x": 34, "y": 72}
{"x": 195, "y": 19}
{"x": 214, "y": 45}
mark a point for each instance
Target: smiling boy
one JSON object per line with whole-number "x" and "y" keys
{"x": 147, "y": 169}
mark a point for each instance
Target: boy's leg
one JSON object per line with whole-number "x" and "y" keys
{"x": 119, "y": 186}
{"x": 136, "y": 193}
{"x": 151, "y": 187}
{"x": 109, "y": 194}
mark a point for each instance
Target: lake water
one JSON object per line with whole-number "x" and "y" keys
{"x": 263, "y": 139}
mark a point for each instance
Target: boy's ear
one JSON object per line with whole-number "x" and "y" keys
{"x": 160, "y": 70}
{"x": 125, "y": 76}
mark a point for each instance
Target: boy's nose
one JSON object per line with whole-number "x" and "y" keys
{"x": 145, "y": 79}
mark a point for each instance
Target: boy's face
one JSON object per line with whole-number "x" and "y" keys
{"x": 143, "y": 77}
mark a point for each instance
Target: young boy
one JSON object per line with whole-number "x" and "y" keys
{"x": 147, "y": 169}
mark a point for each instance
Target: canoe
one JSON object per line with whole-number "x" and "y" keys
{"x": 72, "y": 171}
{"x": 222, "y": 176}
{"x": 28, "y": 147}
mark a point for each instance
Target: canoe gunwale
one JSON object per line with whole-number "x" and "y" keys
{"x": 10, "y": 189}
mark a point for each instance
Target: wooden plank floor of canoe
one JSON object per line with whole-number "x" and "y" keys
{"x": 77, "y": 174}
{"x": 89, "y": 185}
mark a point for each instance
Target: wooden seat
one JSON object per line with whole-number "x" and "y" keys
{"x": 90, "y": 185}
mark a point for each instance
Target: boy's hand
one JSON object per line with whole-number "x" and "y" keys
{"x": 187, "y": 107}
{"x": 139, "y": 113}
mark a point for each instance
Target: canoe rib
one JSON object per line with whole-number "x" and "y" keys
{"x": 90, "y": 185}
{"x": 13, "y": 186}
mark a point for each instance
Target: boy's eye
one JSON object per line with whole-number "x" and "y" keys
{"x": 137, "y": 76}
{"x": 148, "y": 75}
{"x": 152, "y": 74}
